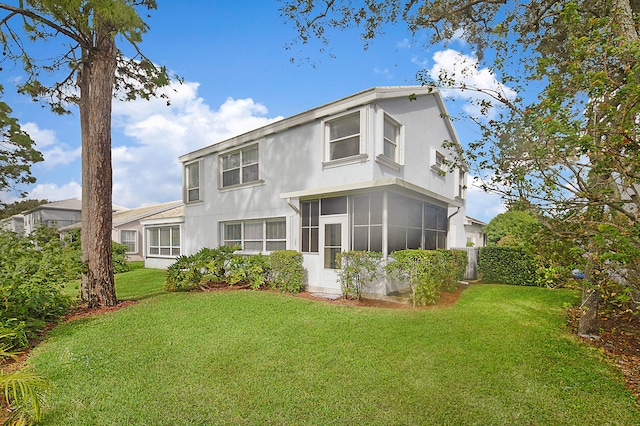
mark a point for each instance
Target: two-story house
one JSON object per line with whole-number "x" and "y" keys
{"x": 364, "y": 172}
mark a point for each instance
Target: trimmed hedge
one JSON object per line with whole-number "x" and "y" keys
{"x": 507, "y": 265}
{"x": 287, "y": 272}
{"x": 428, "y": 272}
{"x": 357, "y": 270}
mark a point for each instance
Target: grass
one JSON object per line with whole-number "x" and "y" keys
{"x": 501, "y": 355}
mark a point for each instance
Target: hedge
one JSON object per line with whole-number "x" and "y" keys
{"x": 507, "y": 265}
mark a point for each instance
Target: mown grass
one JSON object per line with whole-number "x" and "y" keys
{"x": 501, "y": 355}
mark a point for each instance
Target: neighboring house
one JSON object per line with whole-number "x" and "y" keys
{"x": 53, "y": 215}
{"x": 128, "y": 230}
{"x": 475, "y": 234}
{"x": 14, "y": 224}
{"x": 366, "y": 172}
{"x": 163, "y": 237}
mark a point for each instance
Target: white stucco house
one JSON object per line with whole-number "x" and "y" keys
{"x": 57, "y": 214}
{"x": 364, "y": 172}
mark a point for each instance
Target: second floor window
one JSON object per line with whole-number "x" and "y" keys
{"x": 344, "y": 136}
{"x": 391, "y": 138}
{"x": 240, "y": 166}
{"x": 192, "y": 177}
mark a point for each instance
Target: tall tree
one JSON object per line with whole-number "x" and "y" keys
{"x": 567, "y": 145}
{"x": 88, "y": 72}
{"x": 17, "y": 152}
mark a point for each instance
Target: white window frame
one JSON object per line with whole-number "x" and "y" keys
{"x": 240, "y": 167}
{"x": 187, "y": 184}
{"x": 362, "y": 138}
{"x": 438, "y": 160}
{"x": 244, "y": 239}
{"x": 174, "y": 250}
{"x": 397, "y": 160}
{"x": 461, "y": 184}
{"x": 135, "y": 240}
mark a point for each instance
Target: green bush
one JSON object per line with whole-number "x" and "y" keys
{"x": 31, "y": 282}
{"x": 119, "y": 255}
{"x": 507, "y": 265}
{"x": 357, "y": 269}
{"x": 287, "y": 272}
{"x": 428, "y": 272}
{"x": 251, "y": 270}
{"x": 207, "y": 265}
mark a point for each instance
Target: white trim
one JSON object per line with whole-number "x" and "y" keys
{"x": 135, "y": 240}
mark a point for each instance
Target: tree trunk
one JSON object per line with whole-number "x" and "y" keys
{"x": 587, "y": 326}
{"x": 96, "y": 90}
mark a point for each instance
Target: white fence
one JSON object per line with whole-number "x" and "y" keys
{"x": 472, "y": 263}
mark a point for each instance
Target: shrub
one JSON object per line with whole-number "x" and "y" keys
{"x": 507, "y": 265}
{"x": 287, "y": 272}
{"x": 428, "y": 272}
{"x": 357, "y": 269}
{"x": 119, "y": 255}
{"x": 190, "y": 272}
{"x": 251, "y": 270}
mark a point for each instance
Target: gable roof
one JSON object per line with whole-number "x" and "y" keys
{"x": 68, "y": 204}
{"x": 130, "y": 215}
{"x": 358, "y": 99}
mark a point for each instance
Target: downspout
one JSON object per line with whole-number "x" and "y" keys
{"x": 449, "y": 221}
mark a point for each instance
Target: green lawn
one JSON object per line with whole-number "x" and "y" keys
{"x": 501, "y": 355}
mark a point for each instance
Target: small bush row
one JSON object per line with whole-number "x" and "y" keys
{"x": 508, "y": 265}
{"x": 428, "y": 272}
{"x": 281, "y": 270}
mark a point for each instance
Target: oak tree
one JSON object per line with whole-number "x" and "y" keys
{"x": 84, "y": 67}
{"x": 566, "y": 145}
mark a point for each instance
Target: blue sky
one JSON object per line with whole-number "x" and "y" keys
{"x": 237, "y": 76}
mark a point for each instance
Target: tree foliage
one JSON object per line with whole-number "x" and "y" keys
{"x": 17, "y": 207}
{"x": 84, "y": 67}
{"x": 515, "y": 226}
{"x": 566, "y": 144}
{"x": 17, "y": 152}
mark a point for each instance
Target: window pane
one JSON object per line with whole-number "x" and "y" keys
{"x": 253, "y": 245}
{"x": 314, "y": 240}
{"x": 442, "y": 240}
{"x": 250, "y": 156}
{"x": 361, "y": 238}
{"x": 305, "y": 212}
{"x": 276, "y": 245}
{"x": 361, "y": 210}
{"x": 231, "y": 161}
{"x": 333, "y": 234}
{"x": 250, "y": 173}
{"x": 315, "y": 213}
{"x": 430, "y": 240}
{"x": 165, "y": 236}
{"x": 430, "y": 217}
{"x": 193, "y": 195}
{"x": 233, "y": 232}
{"x": 253, "y": 230}
{"x": 337, "y": 205}
{"x": 414, "y": 214}
{"x": 442, "y": 220}
{"x": 305, "y": 240}
{"x": 413, "y": 238}
{"x": 345, "y": 126}
{"x": 175, "y": 251}
{"x": 375, "y": 235}
{"x": 330, "y": 254}
{"x": 175, "y": 236}
{"x": 153, "y": 250}
{"x": 376, "y": 209}
{"x": 193, "y": 176}
{"x": 165, "y": 251}
{"x": 276, "y": 230}
{"x": 396, "y": 212}
{"x": 389, "y": 150}
{"x": 232, "y": 177}
{"x": 344, "y": 148}
{"x": 153, "y": 237}
{"x": 390, "y": 130}
{"x": 397, "y": 238}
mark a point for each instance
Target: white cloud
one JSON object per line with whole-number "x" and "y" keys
{"x": 482, "y": 205}
{"x": 53, "y": 192}
{"x": 464, "y": 71}
{"x": 384, "y": 72}
{"x": 145, "y": 162}
{"x": 55, "y": 153}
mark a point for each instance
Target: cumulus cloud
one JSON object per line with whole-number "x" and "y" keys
{"x": 55, "y": 153}
{"x": 145, "y": 160}
{"x": 464, "y": 72}
{"x": 482, "y": 205}
{"x": 54, "y": 192}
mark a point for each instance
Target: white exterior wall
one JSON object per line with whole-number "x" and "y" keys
{"x": 42, "y": 216}
{"x": 291, "y": 161}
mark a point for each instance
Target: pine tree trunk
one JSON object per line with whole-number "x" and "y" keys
{"x": 96, "y": 90}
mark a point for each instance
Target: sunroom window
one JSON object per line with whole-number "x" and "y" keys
{"x": 344, "y": 136}
{"x": 240, "y": 166}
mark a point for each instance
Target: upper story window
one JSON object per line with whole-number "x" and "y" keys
{"x": 240, "y": 167}
{"x": 192, "y": 182}
{"x": 462, "y": 184}
{"x": 343, "y": 137}
{"x": 391, "y": 139}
